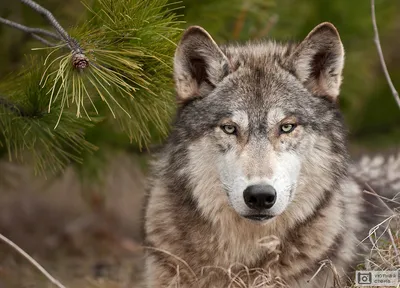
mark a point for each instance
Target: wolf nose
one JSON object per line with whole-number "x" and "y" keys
{"x": 259, "y": 196}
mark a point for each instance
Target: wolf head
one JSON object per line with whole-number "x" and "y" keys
{"x": 258, "y": 128}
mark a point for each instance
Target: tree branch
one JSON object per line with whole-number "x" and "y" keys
{"x": 79, "y": 60}
{"x": 380, "y": 52}
{"x": 44, "y": 41}
{"x": 33, "y": 261}
{"x": 73, "y": 45}
{"x": 30, "y": 30}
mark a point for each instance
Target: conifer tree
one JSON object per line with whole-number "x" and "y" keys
{"x": 108, "y": 75}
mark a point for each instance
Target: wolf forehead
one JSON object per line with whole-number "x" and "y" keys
{"x": 260, "y": 77}
{"x": 261, "y": 55}
{"x": 260, "y": 87}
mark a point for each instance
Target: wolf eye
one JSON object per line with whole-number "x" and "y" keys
{"x": 287, "y": 128}
{"x": 229, "y": 129}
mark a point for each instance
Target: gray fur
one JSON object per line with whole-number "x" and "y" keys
{"x": 195, "y": 208}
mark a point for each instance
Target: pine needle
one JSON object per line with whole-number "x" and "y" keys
{"x": 31, "y": 135}
{"x": 128, "y": 46}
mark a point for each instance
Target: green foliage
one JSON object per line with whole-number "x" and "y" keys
{"x": 26, "y": 127}
{"x": 60, "y": 112}
{"x": 231, "y": 20}
{"x": 128, "y": 45}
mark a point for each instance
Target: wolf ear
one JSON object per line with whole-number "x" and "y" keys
{"x": 318, "y": 61}
{"x": 199, "y": 64}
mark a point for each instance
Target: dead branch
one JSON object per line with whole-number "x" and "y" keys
{"x": 72, "y": 44}
{"x": 44, "y": 41}
{"x": 33, "y": 31}
{"x": 37, "y": 33}
{"x": 33, "y": 261}
{"x": 29, "y": 29}
{"x": 381, "y": 58}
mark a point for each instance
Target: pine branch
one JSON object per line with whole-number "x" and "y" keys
{"x": 131, "y": 46}
{"x": 72, "y": 44}
{"x": 79, "y": 60}
{"x": 27, "y": 131}
{"x": 127, "y": 85}
{"x": 380, "y": 53}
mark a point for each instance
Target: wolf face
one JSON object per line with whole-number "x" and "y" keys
{"x": 255, "y": 120}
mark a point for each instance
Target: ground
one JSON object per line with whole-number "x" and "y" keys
{"x": 77, "y": 238}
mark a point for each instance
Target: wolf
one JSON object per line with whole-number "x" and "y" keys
{"x": 254, "y": 186}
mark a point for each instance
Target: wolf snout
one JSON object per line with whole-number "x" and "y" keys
{"x": 259, "y": 197}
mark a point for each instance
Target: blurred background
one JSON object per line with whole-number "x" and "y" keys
{"x": 84, "y": 224}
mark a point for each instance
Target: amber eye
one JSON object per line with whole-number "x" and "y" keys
{"x": 287, "y": 128}
{"x": 229, "y": 129}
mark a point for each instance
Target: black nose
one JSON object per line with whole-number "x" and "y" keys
{"x": 259, "y": 196}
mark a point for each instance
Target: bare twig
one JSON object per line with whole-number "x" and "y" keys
{"x": 381, "y": 197}
{"x": 33, "y": 261}
{"x": 52, "y": 20}
{"x": 381, "y": 58}
{"x": 62, "y": 34}
{"x": 33, "y": 31}
{"x": 44, "y": 41}
{"x": 29, "y": 29}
